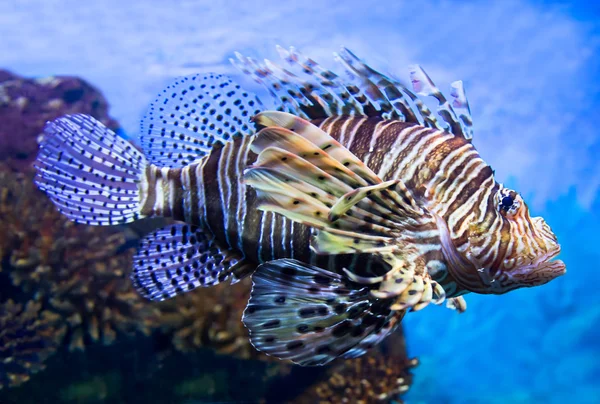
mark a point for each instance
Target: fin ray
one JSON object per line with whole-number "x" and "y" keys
{"x": 320, "y": 139}
{"x": 179, "y": 258}
{"x": 89, "y": 172}
{"x": 316, "y": 93}
{"x": 310, "y": 316}
{"x": 194, "y": 113}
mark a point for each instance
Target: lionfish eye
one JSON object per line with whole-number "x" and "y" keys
{"x": 507, "y": 202}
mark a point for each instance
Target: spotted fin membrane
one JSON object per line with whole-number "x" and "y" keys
{"x": 311, "y": 316}
{"x": 90, "y": 174}
{"x": 193, "y": 114}
{"x": 180, "y": 258}
{"x": 304, "y": 88}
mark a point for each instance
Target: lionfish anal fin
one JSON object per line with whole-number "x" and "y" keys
{"x": 179, "y": 258}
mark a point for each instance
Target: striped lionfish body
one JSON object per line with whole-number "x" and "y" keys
{"x": 350, "y": 204}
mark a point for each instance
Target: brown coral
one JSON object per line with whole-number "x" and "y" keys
{"x": 28, "y": 223}
{"x": 27, "y": 104}
{"x": 76, "y": 271}
{"x": 95, "y": 297}
{"x": 26, "y": 340}
{"x": 380, "y": 376}
{"x": 212, "y": 318}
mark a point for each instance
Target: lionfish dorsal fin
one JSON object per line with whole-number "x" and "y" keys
{"x": 194, "y": 114}
{"x": 353, "y": 212}
{"x": 304, "y": 88}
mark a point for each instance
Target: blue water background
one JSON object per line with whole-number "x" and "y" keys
{"x": 531, "y": 70}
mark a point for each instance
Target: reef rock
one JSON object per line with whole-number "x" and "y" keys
{"x": 381, "y": 376}
{"x": 27, "y": 104}
{"x": 26, "y": 340}
{"x": 79, "y": 273}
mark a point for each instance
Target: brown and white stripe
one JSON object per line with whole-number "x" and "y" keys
{"x": 444, "y": 171}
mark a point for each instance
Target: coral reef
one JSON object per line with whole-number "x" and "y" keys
{"x": 27, "y": 104}
{"x": 380, "y": 376}
{"x": 5, "y": 75}
{"x": 95, "y": 297}
{"x": 77, "y": 272}
{"x": 27, "y": 338}
{"x": 210, "y": 317}
{"x": 28, "y": 223}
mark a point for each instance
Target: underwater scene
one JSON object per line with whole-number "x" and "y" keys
{"x": 299, "y": 202}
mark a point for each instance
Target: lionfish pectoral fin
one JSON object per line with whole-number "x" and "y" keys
{"x": 193, "y": 115}
{"x": 303, "y": 172}
{"x": 305, "y": 175}
{"x": 311, "y": 316}
{"x": 418, "y": 294}
{"x": 341, "y": 159}
{"x": 179, "y": 258}
{"x": 348, "y": 200}
{"x": 407, "y": 282}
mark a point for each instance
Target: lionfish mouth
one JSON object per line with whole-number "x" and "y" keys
{"x": 523, "y": 272}
{"x": 544, "y": 266}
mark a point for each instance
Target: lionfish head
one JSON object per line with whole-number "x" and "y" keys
{"x": 514, "y": 250}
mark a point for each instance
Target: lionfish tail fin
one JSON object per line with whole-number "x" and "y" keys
{"x": 311, "y": 316}
{"x": 90, "y": 174}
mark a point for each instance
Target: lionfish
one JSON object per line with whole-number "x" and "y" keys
{"x": 350, "y": 202}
